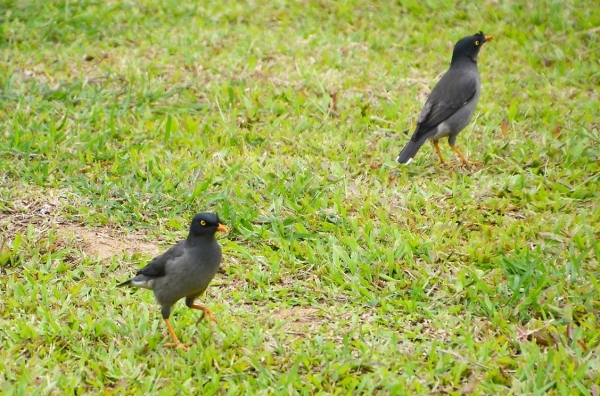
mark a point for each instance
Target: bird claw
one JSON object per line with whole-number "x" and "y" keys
{"x": 462, "y": 164}
{"x": 208, "y": 315}
{"x": 469, "y": 164}
{"x": 178, "y": 345}
{"x": 205, "y": 313}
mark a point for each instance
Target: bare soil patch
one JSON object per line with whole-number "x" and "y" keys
{"x": 105, "y": 242}
{"x": 43, "y": 212}
{"x": 300, "y": 320}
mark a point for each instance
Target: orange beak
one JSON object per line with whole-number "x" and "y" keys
{"x": 489, "y": 38}
{"x": 222, "y": 228}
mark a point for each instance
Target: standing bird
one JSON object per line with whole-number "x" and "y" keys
{"x": 185, "y": 270}
{"x": 452, "y": 102}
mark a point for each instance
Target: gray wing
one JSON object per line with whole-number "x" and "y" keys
{"x": 455, "y": 89}
{"x": 156, "y": 267}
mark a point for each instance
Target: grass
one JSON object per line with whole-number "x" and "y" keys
{"x": 343, "y": 271}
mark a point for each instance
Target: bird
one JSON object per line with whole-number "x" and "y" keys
{"x": 450, "y": 106}
{"x": 184, "y": 271}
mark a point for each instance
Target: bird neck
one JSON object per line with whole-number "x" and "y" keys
{"x": 462, "y": 59}
{"x": 197, "y": 240}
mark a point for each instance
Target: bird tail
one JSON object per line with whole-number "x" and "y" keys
{"x": 124, "y": 283}
{"x": 139, "y": 281}
{"x": 409, "y": 151}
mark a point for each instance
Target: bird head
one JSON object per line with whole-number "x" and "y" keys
{"x": 206, "y": 224}
{"x": 469, "y": 47}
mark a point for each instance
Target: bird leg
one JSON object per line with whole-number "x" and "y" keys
{"x": 209, "y": 315}
{"x": 463, "y": 159}
{"x": 176, "y": 341}
{"x": 436, "y": 144}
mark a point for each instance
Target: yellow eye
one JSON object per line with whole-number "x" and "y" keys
{"x": 476, "y": 42}
{"x": 202, "y": 223}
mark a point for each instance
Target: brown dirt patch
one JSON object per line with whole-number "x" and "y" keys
{"x": 300, "y": 320}
{"x": 43, "y": 211}
{"x": 105, "y": 242}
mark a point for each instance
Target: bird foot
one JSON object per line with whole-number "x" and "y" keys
{"x": 211, "y": 319}
{"x": 177, "y": 344}
{"x": 206, "y": 313}
{"x": 461, "y": 164}
{"x": 468, "y": 164}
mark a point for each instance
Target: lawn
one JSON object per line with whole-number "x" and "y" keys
{"x": 343, "y": 272}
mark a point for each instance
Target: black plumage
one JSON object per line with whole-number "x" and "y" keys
{"x": 185, "y": 270}
{"x": 450, "y": 106}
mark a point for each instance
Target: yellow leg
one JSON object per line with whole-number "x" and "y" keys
{"x": 436, "y": 144}
{"x": 176, "y": 341}
{"x": 209, "y": 315}
{"x": 463, "y": 159}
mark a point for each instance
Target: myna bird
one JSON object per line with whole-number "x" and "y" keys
{"x": 185, "y": 270}
{"x": 452, "y": 102}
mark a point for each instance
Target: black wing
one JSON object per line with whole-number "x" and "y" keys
{"x": 156, "y": 267}
{"x": 453, "y": 91}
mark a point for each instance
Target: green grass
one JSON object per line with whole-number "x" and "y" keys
{"x": 344, "y": 273}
